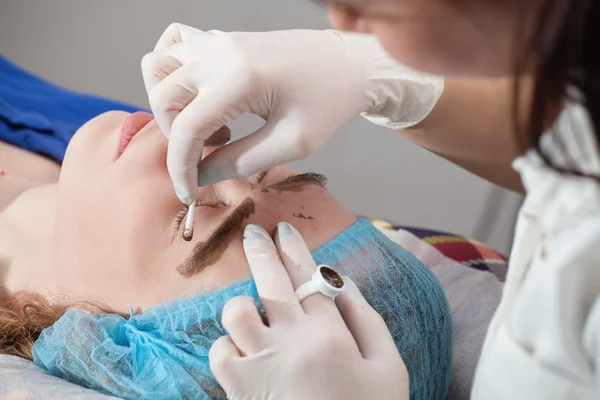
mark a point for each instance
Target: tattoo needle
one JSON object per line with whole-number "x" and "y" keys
{"x": 188, "y": 232}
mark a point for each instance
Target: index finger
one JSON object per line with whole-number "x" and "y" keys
{"x": 273, "y": 284}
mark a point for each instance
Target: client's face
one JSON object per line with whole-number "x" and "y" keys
{"x": 118, "y": 231}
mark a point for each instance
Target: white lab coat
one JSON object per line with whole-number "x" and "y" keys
{"x": 544, "y": 339}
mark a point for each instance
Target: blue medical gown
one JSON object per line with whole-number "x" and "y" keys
{"x": 41, "y": 117}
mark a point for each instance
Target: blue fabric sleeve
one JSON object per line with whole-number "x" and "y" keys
{"x": 41, "y": 117}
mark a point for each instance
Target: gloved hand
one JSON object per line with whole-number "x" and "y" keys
{"x": 312, "y": 350}
{"x": 305, "y": 84}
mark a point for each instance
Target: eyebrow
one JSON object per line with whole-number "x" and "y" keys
{"x": 208, "y": 252}
{"x": 296, "y": 182}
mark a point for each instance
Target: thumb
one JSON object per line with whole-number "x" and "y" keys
{"x": 182, "y": 159}
{"x": 366, "y": 325}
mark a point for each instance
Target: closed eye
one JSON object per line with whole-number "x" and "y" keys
{"x": 293, "y": 182}
{"x": 199, "y": 203}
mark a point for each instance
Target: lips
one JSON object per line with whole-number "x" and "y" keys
{"x": 131, "y": 126}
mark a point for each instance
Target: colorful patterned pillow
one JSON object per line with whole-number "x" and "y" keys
{"x": 468, "y": 252}
{"x": 472, "y": 276}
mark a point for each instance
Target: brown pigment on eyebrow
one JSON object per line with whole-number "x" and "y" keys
{"x": 302, "y": 216}
{"x": 264, "y": 190}
{"x": 209, "y": 252}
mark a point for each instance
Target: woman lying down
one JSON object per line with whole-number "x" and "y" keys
{"x": 101, "y": 289}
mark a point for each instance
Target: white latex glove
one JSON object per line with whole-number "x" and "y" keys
{"x": 312, "y": 350}
{"x": 306, "y": 85}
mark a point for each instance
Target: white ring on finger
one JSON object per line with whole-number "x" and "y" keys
{"x": 324, "y": 280}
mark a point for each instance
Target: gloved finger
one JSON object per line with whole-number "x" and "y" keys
{"x": 272, "y": 281}
{"x": 272, "y": 145}
{"x": 198, "y": 121}
{"x": 219, "y": 138}
{"x": 171, "y": 95}
{"x": 221, "y": 356}
{"x": 156, "y": 67}
{"x": 183, "y": 154}
{"x": 242, "y": 321}
{"x": 366, "y": 325}
{"x": 300, "y": 266}
{"x": 175, "y": 33}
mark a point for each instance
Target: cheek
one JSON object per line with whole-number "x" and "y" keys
{"x": 450, "y": 44}
{"x": 422, "y": 47}
{"x": 344, "y": 20}
{"x": 108, "y": 238}
{"x": 341, "y": 19}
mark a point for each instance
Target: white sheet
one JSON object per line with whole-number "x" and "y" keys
{"x": 22, "y": 380}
